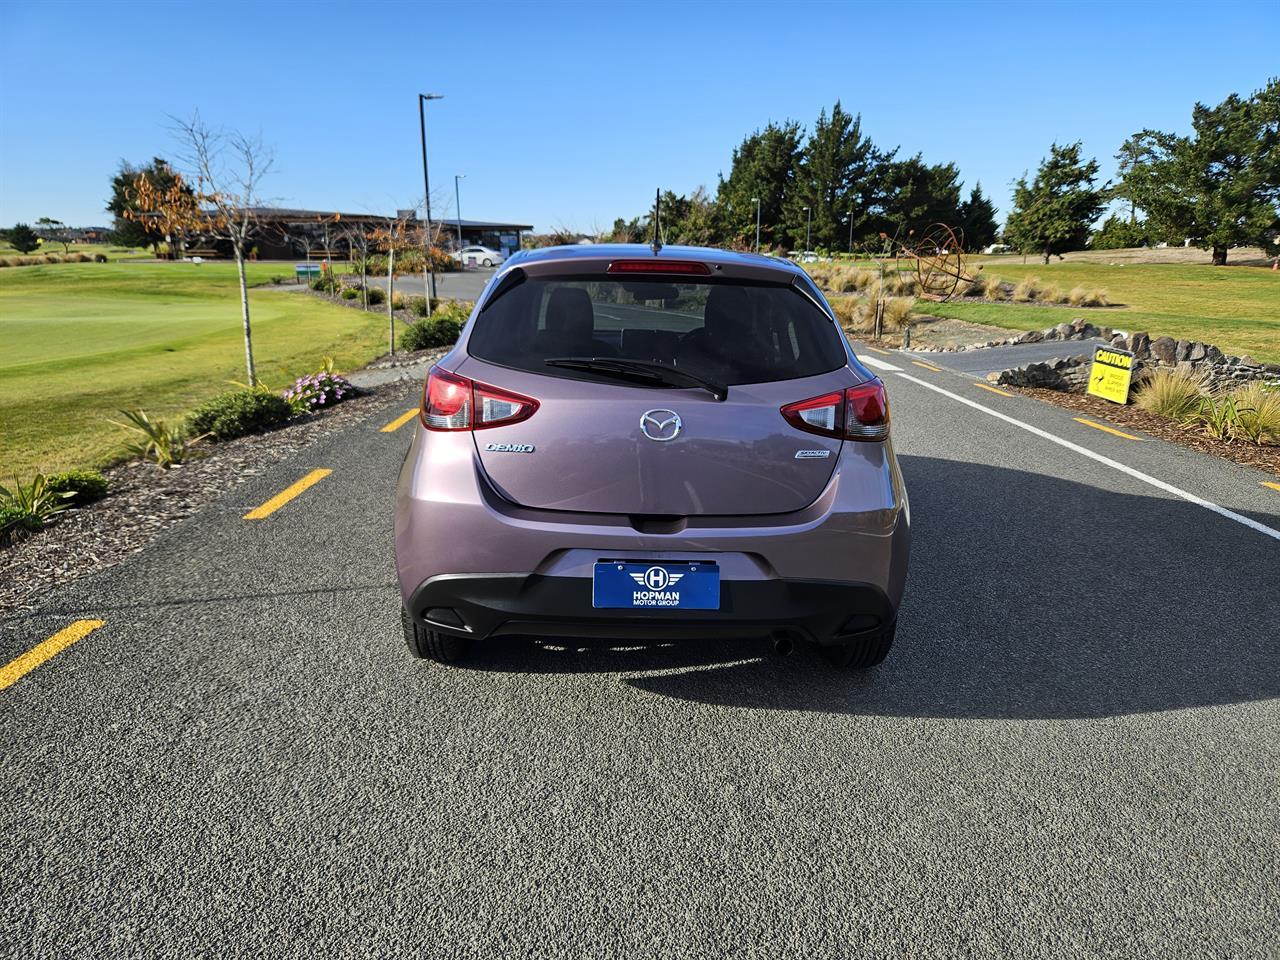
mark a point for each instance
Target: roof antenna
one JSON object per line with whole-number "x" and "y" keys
{"x": 657, "y": 221}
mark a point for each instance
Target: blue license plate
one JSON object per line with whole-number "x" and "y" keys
{"x": 656, "y": 586}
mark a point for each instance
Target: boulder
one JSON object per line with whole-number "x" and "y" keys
{"x": 1140, "y": 345}
{"x": 1064, "y": 330}
{"x": 1031, "y": 336}
{"x": 1164, "y": 349}
{"x": 1212, "y": 354}
{"x": 1182, "y": 351}
{"x": 1197, "y": 352}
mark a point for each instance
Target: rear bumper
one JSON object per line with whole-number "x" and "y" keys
{"x": 493, "y": 605}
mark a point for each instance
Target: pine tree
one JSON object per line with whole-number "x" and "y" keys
{"x": 1054, "y": 212}
{"x": 1219, "y": 187}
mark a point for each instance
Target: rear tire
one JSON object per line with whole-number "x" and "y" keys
{"x": 487, "y": 262}
{"x": 863, "y": 653}
{"x": 428, "y": 644}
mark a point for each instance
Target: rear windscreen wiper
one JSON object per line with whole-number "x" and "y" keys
{"x": 645, "y": 370}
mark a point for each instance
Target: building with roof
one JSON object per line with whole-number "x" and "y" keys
{"x": 285, "y": 233}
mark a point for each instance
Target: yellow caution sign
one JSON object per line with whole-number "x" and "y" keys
{"x": 1109, "y": 377}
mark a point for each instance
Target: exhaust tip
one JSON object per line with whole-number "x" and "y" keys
{"x": 782, "y": 644}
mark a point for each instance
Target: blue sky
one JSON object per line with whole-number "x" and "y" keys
{"x": 570, "y": 114}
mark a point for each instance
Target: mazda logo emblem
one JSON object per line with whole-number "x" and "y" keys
{"x": 661, "y": 425}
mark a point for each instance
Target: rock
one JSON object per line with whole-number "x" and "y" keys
{"x": 1078, "y": 324}
{"x": 1031, "y": 336}
{"x": 1248, "y": 361}
{"x": 1182, "y": 350}
{"x": 1088, "y": 331}
{"x": 1140, "y": 345}
{"x": 1119, "y": 341}
{"x": 1164, "y": 349}
{"x": 1197, "y": 352}
{"x": 1064, "y": 330}
{"x": 1050, "y": 334}
{"x": 1212, "y": 354}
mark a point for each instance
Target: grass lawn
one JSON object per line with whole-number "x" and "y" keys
{"x": 1237, "y": 308}
{"x": 79, "y": 342}
{"x": 110, "y": 250}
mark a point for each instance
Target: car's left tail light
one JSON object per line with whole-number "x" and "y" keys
{"x": 451, "y": 402}
{"x": 858, "y": 413}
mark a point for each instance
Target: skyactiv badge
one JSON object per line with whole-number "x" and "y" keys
{"x": 1110, "y": 374}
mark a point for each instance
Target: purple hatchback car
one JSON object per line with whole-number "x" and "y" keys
{"x": 632, "y": 445}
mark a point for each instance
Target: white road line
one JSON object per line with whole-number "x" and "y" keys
{"x": 1114, "y": 464}
{"x": 878, "y": 364}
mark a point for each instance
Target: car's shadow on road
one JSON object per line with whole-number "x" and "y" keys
{"x": 1029, "y": 597}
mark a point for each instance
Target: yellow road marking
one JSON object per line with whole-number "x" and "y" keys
{"x": 1104, "y": 429}
{"x": 287, "y": 494}
{"x": 1273, "y": 486}
{"x": 887, "y": 353}
{"x": 993, "y": 390}
{"x": 16, "y": 669}
{"x": 399, "y": 422}
{"x": 927, "y": 366}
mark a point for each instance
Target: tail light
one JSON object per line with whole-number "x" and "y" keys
{"x": 451, "y": 402}
{"x": 859, "y": 413}
{"x": 686, "y": 267}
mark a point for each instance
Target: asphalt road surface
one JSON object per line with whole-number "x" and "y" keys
{"x": 458, "y": 285}
{"x": 1073, "y": 750}
{"x": 994, "y": 359}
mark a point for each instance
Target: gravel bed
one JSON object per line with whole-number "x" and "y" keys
{"x": 145, "y": 500}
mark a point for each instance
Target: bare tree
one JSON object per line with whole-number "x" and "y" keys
{"x": 229, "y": 167}
{"x": 358, "y": 242}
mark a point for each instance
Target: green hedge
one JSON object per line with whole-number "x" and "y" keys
{"x": 237, "y": 413}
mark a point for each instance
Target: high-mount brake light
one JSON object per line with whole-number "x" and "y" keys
{"x": 451, "y": 402}
{"x": 858, "y": 413}
{"x": 690, "y": 268}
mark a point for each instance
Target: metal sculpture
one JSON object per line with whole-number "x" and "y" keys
{"x": 936, "y": 257}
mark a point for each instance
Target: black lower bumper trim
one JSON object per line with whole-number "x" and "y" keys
{"x": 532, "y": 605}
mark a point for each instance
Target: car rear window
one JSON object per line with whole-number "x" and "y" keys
{"x": 731, "y": 333}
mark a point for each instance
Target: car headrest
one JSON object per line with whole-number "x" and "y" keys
{"x": 727, "y": 314}
{"x": 570, "y": 314}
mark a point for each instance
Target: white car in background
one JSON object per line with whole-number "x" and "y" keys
{"x": 481, "y": 256}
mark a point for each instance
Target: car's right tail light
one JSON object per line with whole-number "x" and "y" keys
{"x": 858, "y": 413}
{"x": 451, "y": 402}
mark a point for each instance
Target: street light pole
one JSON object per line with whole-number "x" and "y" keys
{"x": 808, "y": 223}
{"x": 756, "y": 200}
{"x": 428, "y": 269}
{"x": 457, "y": 204}
{"x": 851, "y": 231}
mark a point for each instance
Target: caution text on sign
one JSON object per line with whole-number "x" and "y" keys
{"x": 1110, "y": 374}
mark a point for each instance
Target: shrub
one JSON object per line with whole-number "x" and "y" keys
{"x": 1219, "y": 417}
{"x": 1026, "y": 290}
{"x": 847, "y": 310}
{"x": 376, "y": 296}
{"x": 398, "y": 301}
{"x": 1051, "y": 293}
{"x": 439, "y": 331}
{"x": 8, "y": 261}
{"x": 317, "y": 390}
{"x": 1096, "y": 298}
{"x": 993, "y": 288}
{"x": 897, "y": 284}
{"x": 1259, "y": 409}
{"x": 84, "y": 486}
{"x": 156, "y": 440}
{"x": 1077, "y": 296}
{"x": 897, "y": 312}
{"x": 1170, "y": 394}
{"x": 350, "y": 293}
{"x": 325, "y": 283}
{"x": 29, "y": 506}
{"x": 237, "y": 413}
